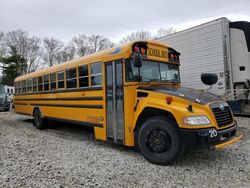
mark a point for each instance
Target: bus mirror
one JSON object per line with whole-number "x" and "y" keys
{"x": 209, "y": 78}
{"x": 137, "y": 60}
{"x": 137, "y": 78}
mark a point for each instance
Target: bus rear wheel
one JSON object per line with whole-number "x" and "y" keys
{"x": 159, "y": 141}
{"x": 38, "y": 121}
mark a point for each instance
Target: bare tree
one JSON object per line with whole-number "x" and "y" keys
{"x": 80, "y": 45}
{"x": 2, "y": 45}
{"x": 97, "y": 43}
{"x": 66, "y": 54}
{"x": 34, "y": 55}
{"x": 52, "y": 47}
{"x": 1, "y": 35}
{"x": 2, "y": 52}
{"x": 84, "y": 45}
{"x": 161, "y": 32}
{"x": 138, "y": 35}
{"x": 25, "y": 49}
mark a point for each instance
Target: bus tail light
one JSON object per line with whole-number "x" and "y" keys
{"x": 169, "y": 100}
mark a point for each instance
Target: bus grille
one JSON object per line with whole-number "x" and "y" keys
{"x": 223, "y": 116}
{"x": 2, "y": 100}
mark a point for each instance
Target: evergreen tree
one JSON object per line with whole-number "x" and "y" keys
{"x": 10, "y": 69}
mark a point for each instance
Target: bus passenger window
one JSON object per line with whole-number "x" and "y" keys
{"x": 29, "y": 86}
{"x": 16, "y": 87}
{"x": 96, "y": 74}
{"x": 40, "y": 83}
{"x": 60, "y": 78}
{"x": 34, "y": 84}
{"x": 19, "y": 87}
{"x": 24, "y": 86}
{"x": 46, "y": 82}
{"x": 53, "y": 81}
{"x": 71, "y": 78}
{"x": 83, "y": 76}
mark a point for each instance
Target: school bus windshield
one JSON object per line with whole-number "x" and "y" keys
{"x": 153, "y": 71}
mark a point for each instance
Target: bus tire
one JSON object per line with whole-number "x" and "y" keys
{"x": 159, "y": 141}
{"x": 39, "y": 122}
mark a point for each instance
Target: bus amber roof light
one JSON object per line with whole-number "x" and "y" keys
{"x": 171, "y": 56}
{"x": 175, "y": 57}
{"x": 143, "y": 51}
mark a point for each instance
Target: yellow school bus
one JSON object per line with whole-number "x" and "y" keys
{"x": 132, "y": 96}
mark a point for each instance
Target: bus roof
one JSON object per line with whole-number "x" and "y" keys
{"x": 106, "y": 55}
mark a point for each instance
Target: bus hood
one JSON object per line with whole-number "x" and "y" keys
{"x": 197, "y": 96}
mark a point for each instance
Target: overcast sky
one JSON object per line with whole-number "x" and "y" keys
{"x": 113, "y": 18}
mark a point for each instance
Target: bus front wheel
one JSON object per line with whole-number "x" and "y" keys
{"x": 38, "y": 121}
{"x": 159, "y": 141}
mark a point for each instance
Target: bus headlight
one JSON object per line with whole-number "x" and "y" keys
{"x": 8, "y": 99}
{"x": 196, "y": 120}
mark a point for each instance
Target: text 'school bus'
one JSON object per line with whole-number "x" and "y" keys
{"x": 131, "y": 95}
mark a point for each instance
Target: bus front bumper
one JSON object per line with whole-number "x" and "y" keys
{"x": 210, "y": 138}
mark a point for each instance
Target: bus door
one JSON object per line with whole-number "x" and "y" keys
{"x": 115, "y": 101}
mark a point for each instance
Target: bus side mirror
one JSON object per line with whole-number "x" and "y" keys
{"x": 137, "y": 60}
{"x": 209, "y": 78}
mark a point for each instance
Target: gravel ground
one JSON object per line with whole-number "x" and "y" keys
{"x": 69, "y": 156}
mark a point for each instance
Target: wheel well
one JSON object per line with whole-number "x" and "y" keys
{"x": 34, "y": 110}
{"x": 149, "y": 112}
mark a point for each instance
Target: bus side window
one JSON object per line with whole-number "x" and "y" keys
{"x": 24, "y": 86}
{"x": 34, "y": 84}
{"x": 40, "y": 83}
{"x": 96, "y": 74}
{"x": 83, "y": 73}
{"x": 60, "y": 79}
{"x": 53, "y": 81}
{"x": 46, "y": 82}
{"x": 71, "y": 78}
{"x": 19, "y": 86}
{"x": 29, "y": 85}
{"x": 16, "y": 87}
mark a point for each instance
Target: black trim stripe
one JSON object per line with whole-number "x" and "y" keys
{"x": 20, "y": 103}
{"x": 62, "y": 91}
{"x": 60, "y": 99}
{"x": 70, "y": 105}
{"x": 85, "y": 123}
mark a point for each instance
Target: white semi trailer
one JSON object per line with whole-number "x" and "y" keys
{"x": 220, "y": 47}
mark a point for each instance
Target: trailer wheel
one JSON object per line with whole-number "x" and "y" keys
{"x": 38, "y": 121}
{"x": 159, "y": 141}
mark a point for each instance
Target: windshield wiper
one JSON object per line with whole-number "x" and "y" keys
{"x": 171, "y": 81}
{"x": 151, "y": 80}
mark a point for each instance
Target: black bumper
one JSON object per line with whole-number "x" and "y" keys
{"x": 207, "y": 138}
{"x": 4, "y": 106}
